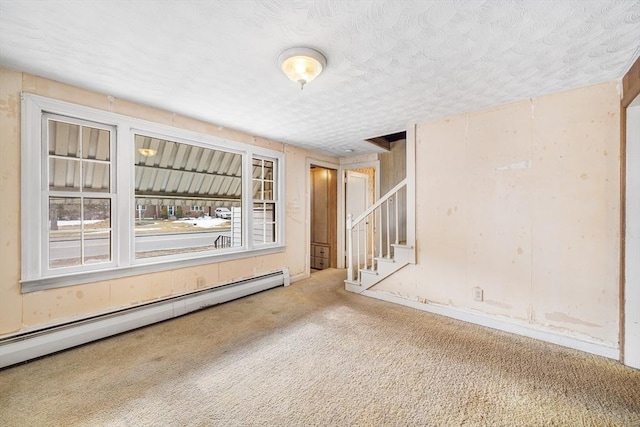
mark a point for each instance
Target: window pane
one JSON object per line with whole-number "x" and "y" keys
{"x": 64, "y": 139}
{"x": 268, "y": 170}
{"x": 95, "y": 143}
{"x": 96, "y": 176}
{"x": 65, "y": 232}
{"x": 264, "y": 227}
{"x": 268, "y": 190}
{"x": 257, "y": 168}
{"x": 65, "y": 213}
{"x": 97, "y": 230}
{"x": 263, "y": 190}
{"x": 64, "y": 174}
{"x": 189, "y": 193}
{"x": 97, "y": 213}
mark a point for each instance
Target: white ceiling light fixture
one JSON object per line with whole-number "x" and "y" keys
{"x": 147, "y": 152}
{"x": 302, "y": 64}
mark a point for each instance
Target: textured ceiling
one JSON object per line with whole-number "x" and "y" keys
{"x": 390, "y": 63}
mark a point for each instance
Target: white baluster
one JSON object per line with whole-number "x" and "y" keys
{"x": 397, "y": 220}
{"x": 388, "y": 254}
{"x": 358, "y": 251}
{"x": 379, "y": 227}
{"x": 350, "y": 247}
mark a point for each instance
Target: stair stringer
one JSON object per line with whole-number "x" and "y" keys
{"x": 402, "y": 256}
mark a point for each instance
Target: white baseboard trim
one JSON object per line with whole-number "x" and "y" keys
{"x": 504, "y": 325}
{"x": 300, "y": 276}
{"x": 31, "y": 345}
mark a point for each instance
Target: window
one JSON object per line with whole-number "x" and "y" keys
{"x": 174, "y": 176}
{"x": 107, "y": 196}
{"x": 264, "y": 202}
{"x": 79, "y": 192}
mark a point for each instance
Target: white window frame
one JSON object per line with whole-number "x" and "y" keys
{"x": 34, "y": 231}
{"x": 47, "y": 194}
{"x": 263, "y": 201}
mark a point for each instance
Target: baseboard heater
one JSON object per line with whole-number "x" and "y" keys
{"x": 30, "y": 345}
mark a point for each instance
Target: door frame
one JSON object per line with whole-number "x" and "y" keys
{"x": 342, "y": 209}
{"x": 350, "y": 176}
{"x": 631, "y": 238}
{"x": 328, "y": 165}
{"x": 629, "y": 204}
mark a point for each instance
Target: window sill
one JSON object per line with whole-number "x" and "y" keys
{"x": 134, "y": 270}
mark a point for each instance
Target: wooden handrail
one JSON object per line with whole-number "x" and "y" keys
{"x": 377, "y": 204}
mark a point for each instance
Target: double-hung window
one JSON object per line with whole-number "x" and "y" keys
{"x": 106, "y": 196}
{"x": 79, "y": 196}
{"x": 264, "y": 201}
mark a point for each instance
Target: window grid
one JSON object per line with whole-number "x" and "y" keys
{"x": 71, "y": 194}
{"x": 265, "y": 225}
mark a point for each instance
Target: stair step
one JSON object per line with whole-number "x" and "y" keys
{"x": 369, "y": 271}
{"x": 352, "y": 286}
{"x": 402, "y": 246}
{"x": 404, "y": 253}
{"x": 385, "y": 259}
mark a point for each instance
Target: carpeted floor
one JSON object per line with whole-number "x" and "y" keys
{"x": 314, "y": 355}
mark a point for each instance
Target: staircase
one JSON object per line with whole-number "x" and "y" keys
{"x": 375, "y": 249}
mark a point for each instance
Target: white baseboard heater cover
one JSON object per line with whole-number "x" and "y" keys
{"x": 31, "y": 345}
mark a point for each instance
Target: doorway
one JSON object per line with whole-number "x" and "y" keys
{"x": 324, "y": 224}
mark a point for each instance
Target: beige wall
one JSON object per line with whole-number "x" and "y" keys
{"x": 522, "y": 201}
{"x": 24, "y": 312}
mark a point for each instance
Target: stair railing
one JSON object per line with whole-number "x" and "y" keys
{"x": 365, "y": 229}
{"x": 222, "y": 242}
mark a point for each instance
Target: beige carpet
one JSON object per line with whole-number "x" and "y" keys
{"x": 314, "y": 355}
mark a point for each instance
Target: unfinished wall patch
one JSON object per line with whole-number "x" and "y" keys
{"x": 565, "y": 318}
{"x": 526, "y": 164}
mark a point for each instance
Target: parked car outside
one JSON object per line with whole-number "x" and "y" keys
{"x": 223, "y": 213}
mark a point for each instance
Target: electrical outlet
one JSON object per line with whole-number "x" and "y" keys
{"x": 478, "y": 294}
